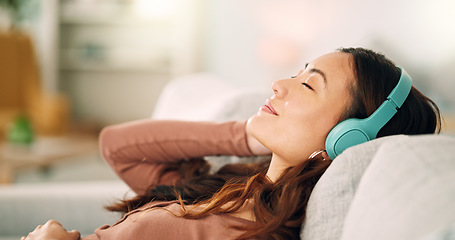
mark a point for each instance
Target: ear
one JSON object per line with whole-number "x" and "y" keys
{"x": 325, "y": 156}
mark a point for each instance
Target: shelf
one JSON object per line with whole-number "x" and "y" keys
{"x": 101, "y": 69}
{"x": 101, "y": 59}
{"x": 114, "y": 37}
{"x": 119, "y": 21}
{"x": 112, "y": 13}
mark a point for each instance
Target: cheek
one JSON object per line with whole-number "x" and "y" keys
{"x": 294, "y": 135}
{"x": 292, "y": 138}
{"x": 306, "y": 132}
{"x": 298, "y": 142}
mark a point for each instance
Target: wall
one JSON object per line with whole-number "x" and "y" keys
{"x": 251, "y": 43}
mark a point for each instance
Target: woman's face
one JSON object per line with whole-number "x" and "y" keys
{"x": 295, "y": 121}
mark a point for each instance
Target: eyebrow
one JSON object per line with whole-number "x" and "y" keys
{"x": 320, "y": 72}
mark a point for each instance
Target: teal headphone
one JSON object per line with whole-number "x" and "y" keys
{"x": 354, "y": 131}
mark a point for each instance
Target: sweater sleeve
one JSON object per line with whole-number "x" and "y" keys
{"x": 141, "y": 152}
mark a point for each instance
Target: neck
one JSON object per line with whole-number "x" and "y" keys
{"x": 277, "y": 166}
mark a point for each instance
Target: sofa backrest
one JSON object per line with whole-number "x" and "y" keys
{"x": 332, "y": 196}
{"x": 205, "y": 97}
{"x": 407, "y": 192}
{"x": 365, "y": 192}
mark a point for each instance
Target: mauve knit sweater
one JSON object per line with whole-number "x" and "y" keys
{"x": 139, "y": 152}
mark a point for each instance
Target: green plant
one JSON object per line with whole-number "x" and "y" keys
{"x": 21, "y": 10}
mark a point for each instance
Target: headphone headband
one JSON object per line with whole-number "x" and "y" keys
{"x": 390, "y": 106}
{"x": 402, "y": 90}
{"x": 353, "y": 131}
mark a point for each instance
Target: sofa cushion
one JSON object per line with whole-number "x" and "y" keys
{"x": 407, "y": 192}
{"x": 332, "y": 195}
{"x": 77, "y": 205}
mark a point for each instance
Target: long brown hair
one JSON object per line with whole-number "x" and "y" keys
{"x": 376, "y": 77}
{"x": 280, "y": 206}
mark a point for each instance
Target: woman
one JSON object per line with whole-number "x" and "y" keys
{"x": 160, "y": 160}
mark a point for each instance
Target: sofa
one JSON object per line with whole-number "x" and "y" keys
{"x": 396, "y": 187}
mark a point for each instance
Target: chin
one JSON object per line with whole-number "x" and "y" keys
{"x": 259, "y": 128}
{"x": 251, "y": 125}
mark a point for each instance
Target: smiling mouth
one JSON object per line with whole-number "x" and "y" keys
{"x": 267, "y": 107}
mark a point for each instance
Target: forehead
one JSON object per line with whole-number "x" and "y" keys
{"x": 338, "y": 69}
{"x": 335, "y": 65}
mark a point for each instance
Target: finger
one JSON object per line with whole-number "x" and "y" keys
{"x": 22, "y": 238}
{"x": 52, "y": 221}
{"x": 75, "y": 233}
{"x": 38, "y": 227}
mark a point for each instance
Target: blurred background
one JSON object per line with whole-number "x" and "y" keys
{"x": 78, "y": 65}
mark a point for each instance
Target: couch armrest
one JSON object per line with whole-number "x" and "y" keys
{"x": 76, "y": 205}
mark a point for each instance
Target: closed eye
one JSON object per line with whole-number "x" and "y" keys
{"x": 308, "y": 86}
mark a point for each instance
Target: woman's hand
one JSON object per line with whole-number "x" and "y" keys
{"x": 52, "y": 230}
{"x": 255, "y": 146}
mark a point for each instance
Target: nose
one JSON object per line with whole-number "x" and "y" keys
{"x": 280, "y": 88}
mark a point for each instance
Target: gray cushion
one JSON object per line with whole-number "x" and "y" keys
{"x": 332, "y": 195}
{"x": 407, "y": 192}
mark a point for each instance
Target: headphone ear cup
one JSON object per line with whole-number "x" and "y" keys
{"x": 356, "y": 131}
{"x": 346, "y": 134}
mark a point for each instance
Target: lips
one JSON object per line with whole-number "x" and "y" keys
{"x": 267, "y": 107}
